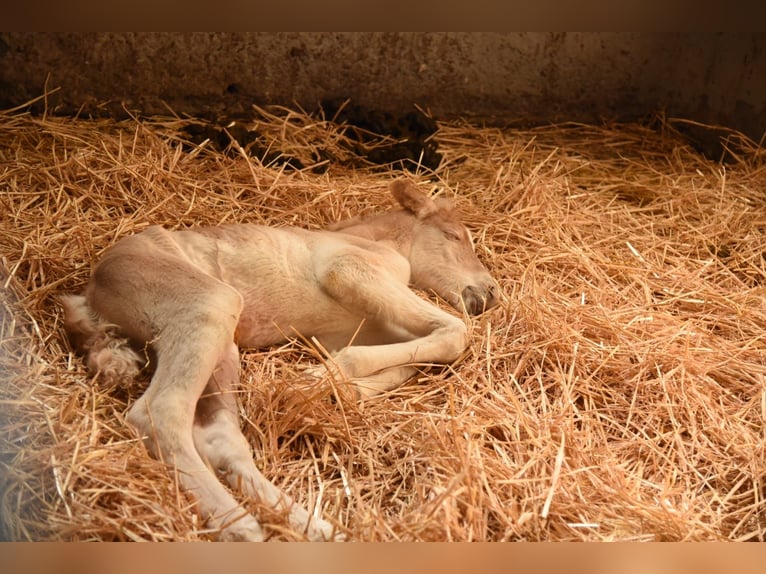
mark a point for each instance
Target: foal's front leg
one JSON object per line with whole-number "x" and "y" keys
{"x": 370, "y": 291}
{"x": 383, "y": 381}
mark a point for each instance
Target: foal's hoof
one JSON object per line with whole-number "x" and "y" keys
{"x": 322, "y": 371}
{"x": 322, "y": 531}
{"x": 246, "y": 529}
{"x": 346, "y": 387}
{"x": 317, "y": 372}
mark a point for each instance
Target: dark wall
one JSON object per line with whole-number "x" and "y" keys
{"x": 527, "y": 77}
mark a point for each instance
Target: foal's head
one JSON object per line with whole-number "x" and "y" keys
{"x": 442, "y": 258}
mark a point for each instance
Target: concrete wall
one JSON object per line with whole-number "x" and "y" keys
{"x": 532, "y": 77}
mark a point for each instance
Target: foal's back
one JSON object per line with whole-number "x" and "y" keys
{"x": 274, "y": 271}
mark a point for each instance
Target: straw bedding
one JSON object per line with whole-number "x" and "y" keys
{"x": 618, "y": 392}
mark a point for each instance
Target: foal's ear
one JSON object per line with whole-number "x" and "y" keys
{"x": 412, "y": 199}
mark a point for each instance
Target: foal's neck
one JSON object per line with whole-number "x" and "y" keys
{"x": 393, "y": 228}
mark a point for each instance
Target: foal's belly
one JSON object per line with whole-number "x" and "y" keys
{"x": 295, "y": 313}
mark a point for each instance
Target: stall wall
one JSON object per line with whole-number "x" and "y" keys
{"x": 527, "y": 77}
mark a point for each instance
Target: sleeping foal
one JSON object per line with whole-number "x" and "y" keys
{"x": 195, "y": 296}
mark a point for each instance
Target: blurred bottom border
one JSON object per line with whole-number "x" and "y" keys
{"x": 383, "y": 558}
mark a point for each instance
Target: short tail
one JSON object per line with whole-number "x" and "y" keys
{"x": 106, "y": 352}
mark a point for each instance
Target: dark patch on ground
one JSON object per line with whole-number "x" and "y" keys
{"x": 717, "y": 143}
{"x": 412, "y": 132}
{"x": 374, "y": 138}
{"x": 224, "y": 135}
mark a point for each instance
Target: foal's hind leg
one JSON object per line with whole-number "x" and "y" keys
{"x": 188, "y": 350}
{"x": 190, "y": 319}
{"x": 222, "y": 445}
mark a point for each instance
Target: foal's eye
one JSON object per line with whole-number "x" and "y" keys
{"x": 451, "y": 234}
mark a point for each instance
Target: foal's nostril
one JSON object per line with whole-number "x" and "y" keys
{"x": 478, "y": 299}
{"x": 493, "y": 295}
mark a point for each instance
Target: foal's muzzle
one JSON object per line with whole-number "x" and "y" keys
{"x": 478, "y": 299}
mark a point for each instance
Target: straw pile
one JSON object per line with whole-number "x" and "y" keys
{"x": 618, "y": 392}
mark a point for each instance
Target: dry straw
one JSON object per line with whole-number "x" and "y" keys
{"x": 617, "y": 393}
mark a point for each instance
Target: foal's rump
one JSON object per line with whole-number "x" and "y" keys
{"x": 143, "y": 291}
